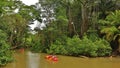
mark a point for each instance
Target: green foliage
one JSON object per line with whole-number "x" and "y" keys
{"x": 6, "y": 6}
{"x": 88, "y": 47}
{"x": 16, "y": 28}
{"x": 93, "y": 36}
{"x": 75, "y": 47}
{"x": 30, "y": 13}
{"x": 106, "y": 6}
{"x": 72, "y": 45}
{"x": 110, "y": 32}
{"x": 35, "y": 44}
{"x": 57, "y": 49}
{"x": 103, "y": 47}
{"x": 5, "y": 53}
{"x": 77, "y": 13}
{"x": 109, "y": 26}
{"x": 113, "y": 18}
{"x": 54, "y": 36}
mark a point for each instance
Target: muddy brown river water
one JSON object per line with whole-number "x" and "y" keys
{"x": 37, "y": 60}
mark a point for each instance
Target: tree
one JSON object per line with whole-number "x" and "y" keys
{"x": 6, "y": 6}
{"x": 110, "y": 29}
{"x": 105, "y": 6}
{"x": 16, "y": 28}
{"x": 5, "y": 53}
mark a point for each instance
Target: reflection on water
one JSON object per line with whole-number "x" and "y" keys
{"x": 36, "y": 60}
{"x": 33, "y": 60}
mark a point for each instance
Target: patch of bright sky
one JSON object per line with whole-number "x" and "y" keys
{"x": 33, "y": 25}
{"x": 29, "y": 2}
{"x": 16, "y": 10}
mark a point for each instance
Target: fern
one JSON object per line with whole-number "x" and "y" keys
{"x": 114, "y": 17}
{"x": 110, "y": 32}
{"x": 109, "y": 25}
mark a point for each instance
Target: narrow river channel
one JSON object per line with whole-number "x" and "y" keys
{"x": 37, "y": 60}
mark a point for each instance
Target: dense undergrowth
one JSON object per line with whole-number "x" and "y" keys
{"x": 76, "y": 47}
{"x": 5, "y": 52}
{"x": 87, "y": 46}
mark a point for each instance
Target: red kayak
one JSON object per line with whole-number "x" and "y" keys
{"x": 51, "y": 57}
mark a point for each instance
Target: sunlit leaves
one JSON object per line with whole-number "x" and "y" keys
{"x": 109, "y": 25}
{"x": 109, "y": 31}
{"x": 114, "y": 17}
{"x": 7, "y": 6}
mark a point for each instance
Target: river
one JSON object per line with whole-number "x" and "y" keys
{"x": 37, "y": 60}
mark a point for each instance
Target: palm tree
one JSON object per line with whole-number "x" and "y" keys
{"x": 111, "y": 29}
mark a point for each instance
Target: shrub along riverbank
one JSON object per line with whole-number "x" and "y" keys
{"x": 76, "y": 47}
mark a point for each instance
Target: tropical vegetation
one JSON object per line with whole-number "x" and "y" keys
{"x": 71, "y": 27}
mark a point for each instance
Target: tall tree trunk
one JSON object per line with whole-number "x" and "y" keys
{"x": 70, "y": 22}
{"x": 84, "y": 24}
{"x": 11, "y": 40}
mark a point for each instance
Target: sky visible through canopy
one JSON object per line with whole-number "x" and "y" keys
{"x": 31, "y": 2}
